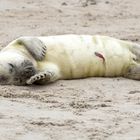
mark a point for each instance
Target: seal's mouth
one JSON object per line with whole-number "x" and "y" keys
{"x": 4, "y": 79}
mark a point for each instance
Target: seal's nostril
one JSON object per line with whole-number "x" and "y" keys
{"x": 20, "y": 80}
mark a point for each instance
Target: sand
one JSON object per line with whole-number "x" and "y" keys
{"x": 84, "y": 109}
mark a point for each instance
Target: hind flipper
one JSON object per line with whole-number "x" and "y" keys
{"x": 133, "y": 72}
{"x": 136, "y": 51}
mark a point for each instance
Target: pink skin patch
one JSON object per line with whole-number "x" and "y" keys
{"x": 100, "y": 56}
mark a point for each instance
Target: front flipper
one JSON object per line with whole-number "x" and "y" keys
{"x": 35, "y": 46}
{"x": 42, "y": 78}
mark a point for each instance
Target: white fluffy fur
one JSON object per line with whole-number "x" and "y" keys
{"x": 75, "y": 56}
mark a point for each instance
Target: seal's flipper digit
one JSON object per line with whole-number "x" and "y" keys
{"x": 41, "y": 78}
{"x": 35, "y": 46}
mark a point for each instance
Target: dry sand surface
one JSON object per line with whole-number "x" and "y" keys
{"x": 85, "y": 109}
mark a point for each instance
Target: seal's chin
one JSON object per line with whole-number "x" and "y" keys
{"x": 4, "y": 79}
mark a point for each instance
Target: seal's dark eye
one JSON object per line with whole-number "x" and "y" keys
{"x": 11, "y": 67}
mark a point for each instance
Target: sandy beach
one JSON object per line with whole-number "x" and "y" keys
{"x": 84, "y": 109}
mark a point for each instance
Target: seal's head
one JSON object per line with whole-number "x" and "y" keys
{"x": 15, "y": 69}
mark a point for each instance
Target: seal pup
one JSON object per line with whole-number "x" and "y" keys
{"x": 41, "y": 60}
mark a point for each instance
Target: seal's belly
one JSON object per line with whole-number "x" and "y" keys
{"x": 84, "y": 56}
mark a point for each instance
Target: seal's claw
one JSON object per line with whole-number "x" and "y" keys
{"x": 28, "y": 82}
